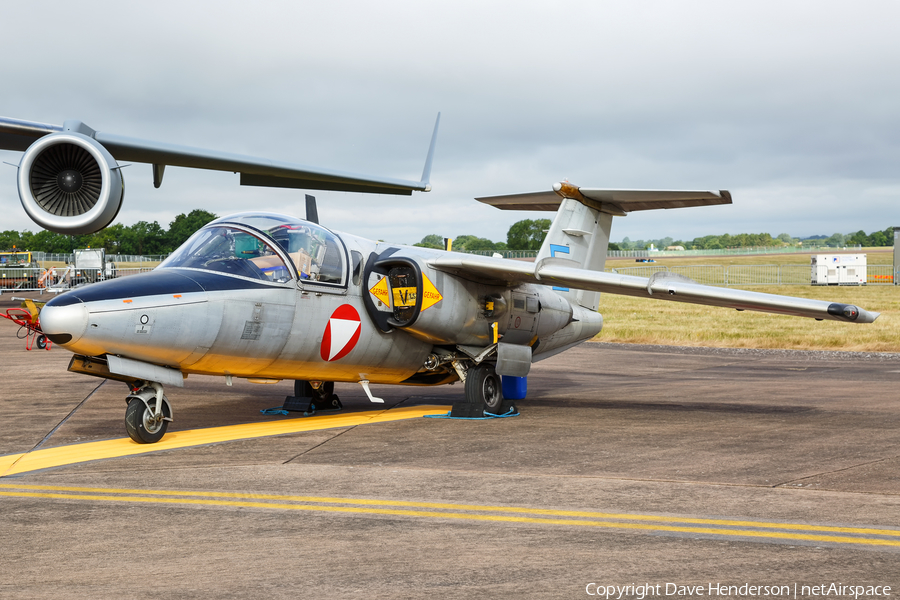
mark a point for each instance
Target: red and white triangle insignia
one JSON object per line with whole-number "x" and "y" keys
{"x": 341, "y": 333}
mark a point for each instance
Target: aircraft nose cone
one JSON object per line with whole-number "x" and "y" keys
{"x": 64, "y": 323}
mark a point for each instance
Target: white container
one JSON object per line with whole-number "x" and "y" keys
{"x": 838, "y": 269}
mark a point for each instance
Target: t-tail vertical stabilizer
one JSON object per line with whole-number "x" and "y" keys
{"x": 579, "y": 235}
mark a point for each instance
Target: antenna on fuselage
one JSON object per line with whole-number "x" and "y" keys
{"x": 312, "y": 213}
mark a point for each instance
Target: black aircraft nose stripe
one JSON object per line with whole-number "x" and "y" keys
{"x": 59, "y": 338}
{"x": 156, "y": 283}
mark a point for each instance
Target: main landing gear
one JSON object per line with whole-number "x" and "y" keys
{"x": 483, "y": 388}
{"x": 484, "y": 393}
{"x": 148, "y": 414}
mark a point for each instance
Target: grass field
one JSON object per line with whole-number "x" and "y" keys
{"x": 647, "y": 321}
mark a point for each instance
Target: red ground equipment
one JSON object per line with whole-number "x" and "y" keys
{"x": 28, "y": 319}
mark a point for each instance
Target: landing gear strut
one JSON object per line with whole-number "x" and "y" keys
{"x": 148, "y": 414}
{"x": 310, "y": 396}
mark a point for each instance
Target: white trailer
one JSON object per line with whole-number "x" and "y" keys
{"x": 838, "y": 269}
{"x": 90, "y": 258}
{"x": 90, "y": 265}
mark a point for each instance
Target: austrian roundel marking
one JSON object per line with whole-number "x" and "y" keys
{"x": 341, "y": 333}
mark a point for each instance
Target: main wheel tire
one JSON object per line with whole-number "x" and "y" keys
{"x": 483, "y": 387}
{"x": 324, "y": 398}
{"x": 336, "y": 402}
{"x": 302, "y": 389}
{"x": 140, "y": 424}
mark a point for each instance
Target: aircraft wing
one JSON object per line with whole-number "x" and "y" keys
{"x": 18, "y": 135}
{"x": 662, "y": 286}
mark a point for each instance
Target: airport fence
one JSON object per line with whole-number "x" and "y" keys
{"x": 705, "y": 274}
{"x": 750, "y": 275}
{"x": 59, "y": 279}
{"x": 727, "y": 251}
{"x": 46, "y": 259}
{"x": 684, "y": 253}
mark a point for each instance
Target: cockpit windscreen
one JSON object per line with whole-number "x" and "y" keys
{"x": 232, "y": 251}
{"x": 317, "y": 254}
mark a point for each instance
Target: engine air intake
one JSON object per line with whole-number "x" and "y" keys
{"x": 70, "y": 184}
{"x": 66, "y": 180}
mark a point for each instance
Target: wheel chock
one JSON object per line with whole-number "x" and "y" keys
{"x": 466, "y": 410}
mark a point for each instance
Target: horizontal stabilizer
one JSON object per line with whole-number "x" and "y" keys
{"x": 616, "y": 202}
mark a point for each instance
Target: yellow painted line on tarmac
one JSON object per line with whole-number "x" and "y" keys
{"x": 460, "y": 507}
{"x": 46, "y": 458}
{"x": 754, "y": 529}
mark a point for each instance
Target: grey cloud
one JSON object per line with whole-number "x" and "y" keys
{"x": 791, "y": 105}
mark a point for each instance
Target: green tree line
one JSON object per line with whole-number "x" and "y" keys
{"x": 140, "y": 238}
{"x": 763, "y": 240}
{"x": 527, "y": 234}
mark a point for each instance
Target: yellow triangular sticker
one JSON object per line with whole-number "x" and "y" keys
{"x": 380, "y": 291}
{"x": 430, "y": 295}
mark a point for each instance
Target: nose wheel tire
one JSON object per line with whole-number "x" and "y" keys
{"x": 141, "y": 424}
{"x": 483, "y": 388}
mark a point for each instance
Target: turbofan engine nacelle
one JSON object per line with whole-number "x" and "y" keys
{"x": 70, "y": 184}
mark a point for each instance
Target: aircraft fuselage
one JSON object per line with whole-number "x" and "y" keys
{"x": 377, "y": 313}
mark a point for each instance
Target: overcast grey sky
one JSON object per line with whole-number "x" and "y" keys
{"x": 793, "y": 106}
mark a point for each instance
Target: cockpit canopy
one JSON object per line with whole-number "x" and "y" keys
{"x": 256, "y": 245}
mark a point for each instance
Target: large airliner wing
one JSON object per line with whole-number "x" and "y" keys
{"x": 662, "y": 286}
{"x": 70, "y": 182}
{"x": 19, "y": 135}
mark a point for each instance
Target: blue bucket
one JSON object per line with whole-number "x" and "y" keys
{"x": 514, "y": 388}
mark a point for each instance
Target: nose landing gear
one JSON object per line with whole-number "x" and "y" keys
{"x": 148, "y": 414}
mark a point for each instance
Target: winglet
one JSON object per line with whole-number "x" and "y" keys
{"x": 426, "y": 173}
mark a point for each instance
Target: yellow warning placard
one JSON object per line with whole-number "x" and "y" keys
{"x": 404, "y": 296}
{"x": 380, "y": 291}
{"x": 430, "y": 295}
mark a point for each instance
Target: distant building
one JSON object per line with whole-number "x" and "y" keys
{"x": 675, "y": 248}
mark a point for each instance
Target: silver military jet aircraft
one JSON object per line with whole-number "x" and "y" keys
{"x": 269, "y": 297}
